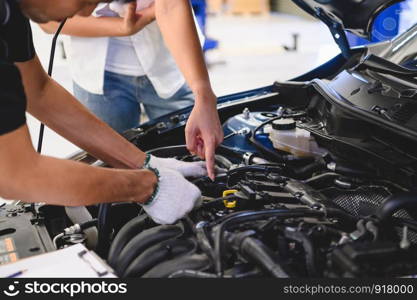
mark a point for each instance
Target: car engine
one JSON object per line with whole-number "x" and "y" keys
{"x": 316, "y": 178}
{"x": 271, "y": 213}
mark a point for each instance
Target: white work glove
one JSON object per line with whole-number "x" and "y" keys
{"x": 186, "y": 169}
{"x": 173, "y": 199}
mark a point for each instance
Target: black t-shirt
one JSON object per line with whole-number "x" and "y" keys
{"x": 16, "y": 45}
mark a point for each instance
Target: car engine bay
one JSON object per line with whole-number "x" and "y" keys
{"x": 337, "y": 199}
{"x": 316, "y": 178}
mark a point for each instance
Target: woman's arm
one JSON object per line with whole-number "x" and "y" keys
{"x": 203, "y": 131}
{"x": 91, "y": 26}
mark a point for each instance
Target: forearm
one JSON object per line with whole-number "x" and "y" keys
{"x": 60, "y": 111}
{"x": 177, "y": 25}
{"x": 88, "y": 27}
{"x": 25, "y": 175}
{"x": 97, "y": 26}
{"x": 60, "y": 182}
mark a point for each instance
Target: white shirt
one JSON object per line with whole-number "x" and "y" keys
{"x": 122, "y": 58}
{"x": 88, "y": 58}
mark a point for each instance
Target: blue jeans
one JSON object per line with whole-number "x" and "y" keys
{"x": 119, "y": 106}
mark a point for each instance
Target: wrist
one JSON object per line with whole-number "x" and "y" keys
{"x": 202, "y": 88}
{"x": 121, "y": 26}
{"x": 205, "y": 98}
{"x": 150, "y": 185}
{"x": 155, "y": 182}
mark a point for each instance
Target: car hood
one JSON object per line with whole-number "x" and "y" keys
{"x": 356, "y": 16}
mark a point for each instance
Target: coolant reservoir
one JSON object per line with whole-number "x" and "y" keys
{"x": 285, "y": 136}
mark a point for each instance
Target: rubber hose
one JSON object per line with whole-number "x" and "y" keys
{"x": 252, "y": 216}
{"x": 80, "y": 215}
{"x": 158, "y": 254}
{"x": 260, "y": 254}
{"x": 142, "y": 242}
{"x": 196, "y": 262}
{"x": 104, "y": 229}
{"x": 125, "y": 234}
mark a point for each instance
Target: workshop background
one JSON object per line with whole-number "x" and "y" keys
{"x": 250, "y": 43}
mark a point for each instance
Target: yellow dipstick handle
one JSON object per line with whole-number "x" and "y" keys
{"x": 227, "y": 203}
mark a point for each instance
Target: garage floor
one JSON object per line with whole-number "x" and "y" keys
{"x": 250, "y": 55}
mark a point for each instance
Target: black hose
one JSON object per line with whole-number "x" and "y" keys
{"x": 143, "y": 241}
{"x": 309, "y": 250}
{"x": 406, "y": 201}
{"x": 252, "y": 216}
{"x": 256, "y": 251}
{"x": 223, "y": 161}
{"x": 104, "y": 229}
{"x": 157, "y": 254}
{"x": 196, "y": 262}
{"x": 308, "y": 170}
{"x": 274, "y": 153}
{"x": 88, "y": 224}
{"x": 125, "y": 234}
{"x": 322, "y": 180}
{"x": 50, "y": 69}
{"x": 203, "y": 239}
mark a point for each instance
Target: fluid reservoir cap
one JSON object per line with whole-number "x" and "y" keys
{"x": 284, "y": 124}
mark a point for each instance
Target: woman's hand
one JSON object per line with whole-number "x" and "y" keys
{"x": 133, "y": 21}
{"x": 203, "y": 131}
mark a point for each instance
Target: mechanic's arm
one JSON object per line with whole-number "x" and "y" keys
{"x": 91, "y": 26}
{"x": 59, "y": 110}
{"x": 30, "y": 177}
{"x": 203, "y": 130}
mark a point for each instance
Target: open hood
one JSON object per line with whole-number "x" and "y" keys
{"x": 356, "y": 16}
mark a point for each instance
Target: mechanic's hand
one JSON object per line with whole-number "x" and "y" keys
{"x": 133, "y": 21}
{"x": 204, "y": 132}
{"x": 175, "y": 197}
{"x": 186, "y": 169}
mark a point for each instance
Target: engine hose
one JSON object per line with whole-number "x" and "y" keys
{"x": 104, "y": 229}
{"x": 80, "y": 215}
{"x": 347, "y": 219}
{"x": 256, "y": 251}
{"x": 143, "y": 241}
{"x": 157, "y": 254}
{"x": 195, "y": 262}
{"x": 86, "y": 225}
{"x": 223, "y": 162}
{"x": 310, "y": 255}
{"x": 252, "y": 216}
{"x": 203, "y": 240}
{"x": 406, "y": 201}
{"x": 125, "y": 234}
{"x": 308, "y": 170}
{"x": 322, "y": 180}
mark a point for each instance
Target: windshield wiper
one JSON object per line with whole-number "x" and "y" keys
{"x": 381, "y": 65}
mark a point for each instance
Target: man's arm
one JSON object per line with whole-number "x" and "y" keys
{"x": 91, "y": 26}
{"x": 30, "y": 177}
{"x": 59, "y": 110}
{"x": 203, "y": 131}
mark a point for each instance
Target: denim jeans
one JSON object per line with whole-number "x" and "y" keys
{"x": 119, "y": 106}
